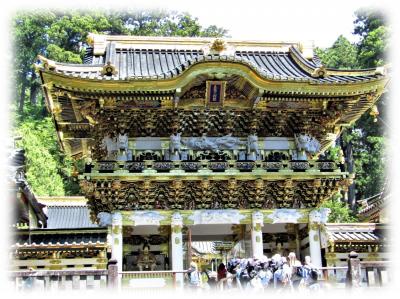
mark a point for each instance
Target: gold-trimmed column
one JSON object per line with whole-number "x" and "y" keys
{"x": 317, "y": 217}
{"x": 256, "y": 234}
{"x": 331, "y": 261}
{"x": 177, "y": 246}
{"x": 116, "y": 245}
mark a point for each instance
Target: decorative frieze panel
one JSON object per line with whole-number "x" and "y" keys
{"x": 285, "y": 216}
{"x": 134, "y": 166}
{"x": 96, "y": 118}
{"x": 212, "y": 122}
{"x": 216, "y": 217}
{"x": 180, "y": 194}
{"x": 54, "y": 255}
{"x": 299, "y": 165}
{"x": 222, "y": 164}
{"x": 147, "y": 218}
{"x": 190, "y": 166}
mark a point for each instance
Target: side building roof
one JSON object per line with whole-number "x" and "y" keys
{"x": 67, "y": 213}
{"x": 68, "y": 226}
{"x": 343, "y": 237}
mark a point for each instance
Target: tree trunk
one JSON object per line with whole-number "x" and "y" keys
{"x": 351, "y": 192}
{"x": 34, "y": 89}
{"x": 22, "y": 94}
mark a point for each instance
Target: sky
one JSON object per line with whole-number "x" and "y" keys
{"x": 320, "y": 21}
{"x": 289, "y": 20}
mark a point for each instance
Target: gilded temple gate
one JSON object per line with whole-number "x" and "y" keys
{"x": 191, "y": 132}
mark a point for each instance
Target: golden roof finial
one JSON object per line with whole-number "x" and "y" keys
{"x": 218, "y": 45}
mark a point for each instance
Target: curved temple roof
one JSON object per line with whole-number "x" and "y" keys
{"x": 141, "y": 58}
{"x": 135, "y": 73}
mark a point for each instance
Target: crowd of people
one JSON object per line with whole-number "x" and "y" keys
{"x": 277, "y": 272}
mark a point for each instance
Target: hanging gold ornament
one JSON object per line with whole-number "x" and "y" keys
{"x": 374, "y": 113}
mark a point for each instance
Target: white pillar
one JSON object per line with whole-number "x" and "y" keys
{"x": 317, "y": 218}
{"x": 256, "y": 234}
{"x": 176, "y": 257}
{"x": 116, "y": 245}
{"x": 315, "y": 245}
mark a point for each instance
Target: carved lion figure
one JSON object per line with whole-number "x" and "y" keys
{"x": 123, "y": 141}
{"x": 175, "y": 143}
{"x": 110, "y": 145}
{"x": 307, "y": 143}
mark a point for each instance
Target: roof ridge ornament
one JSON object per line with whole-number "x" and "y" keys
{"x": 109, "y": 69}
{"x": 320, "y": 72}
{"x": 47, "y": 64}
{"x": 381, "y": 71}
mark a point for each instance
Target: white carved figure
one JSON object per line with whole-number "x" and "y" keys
{"x": 252, "y": 147}
{"x": 285, "y": 216}
{"x": 123, "y": 141}
{"x": 319, "y": 216}
{"x": 252, "y": 144}
{"x": 104, "y": 218}
{"x": 175, "y": 143}
{"x": 212, "y": 143}
{"x": 258, "y": 218}
{"x": 176, "y": 219}
{"x": 202, "y": 143}
{"x": 110, "y": 145}
{"x": 307, "y": 143}
{"x": 206, "y": 143}
{"x": 216, "y": 217}
{"x": 147, "y": 218}
{"x": 227, "y": 142}
{"x": 314, "y": 145}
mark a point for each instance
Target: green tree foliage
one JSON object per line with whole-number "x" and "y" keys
{"x": 161, "y": 23}
{"x": 371, "y": 26}
{"x": 364, "y": 142}
{"x": 369, "y": 137}
{"x": 340, "y": 212}
{"x": 369, "y": 162}
{"x": 342, "y": 54}
{"x": 48, "y": 171}
{"x": 62, "y": 37}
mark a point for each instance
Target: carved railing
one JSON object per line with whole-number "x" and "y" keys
{"x": 58, "y": 279}
{"x": 214, "y": 166}
{"x": 335, "y": 276}
{"x": 48, "y": 280}
{"x": 357, "y": 273}
{"x": 150, "y": 279}
{"x": 376, "y": 272}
